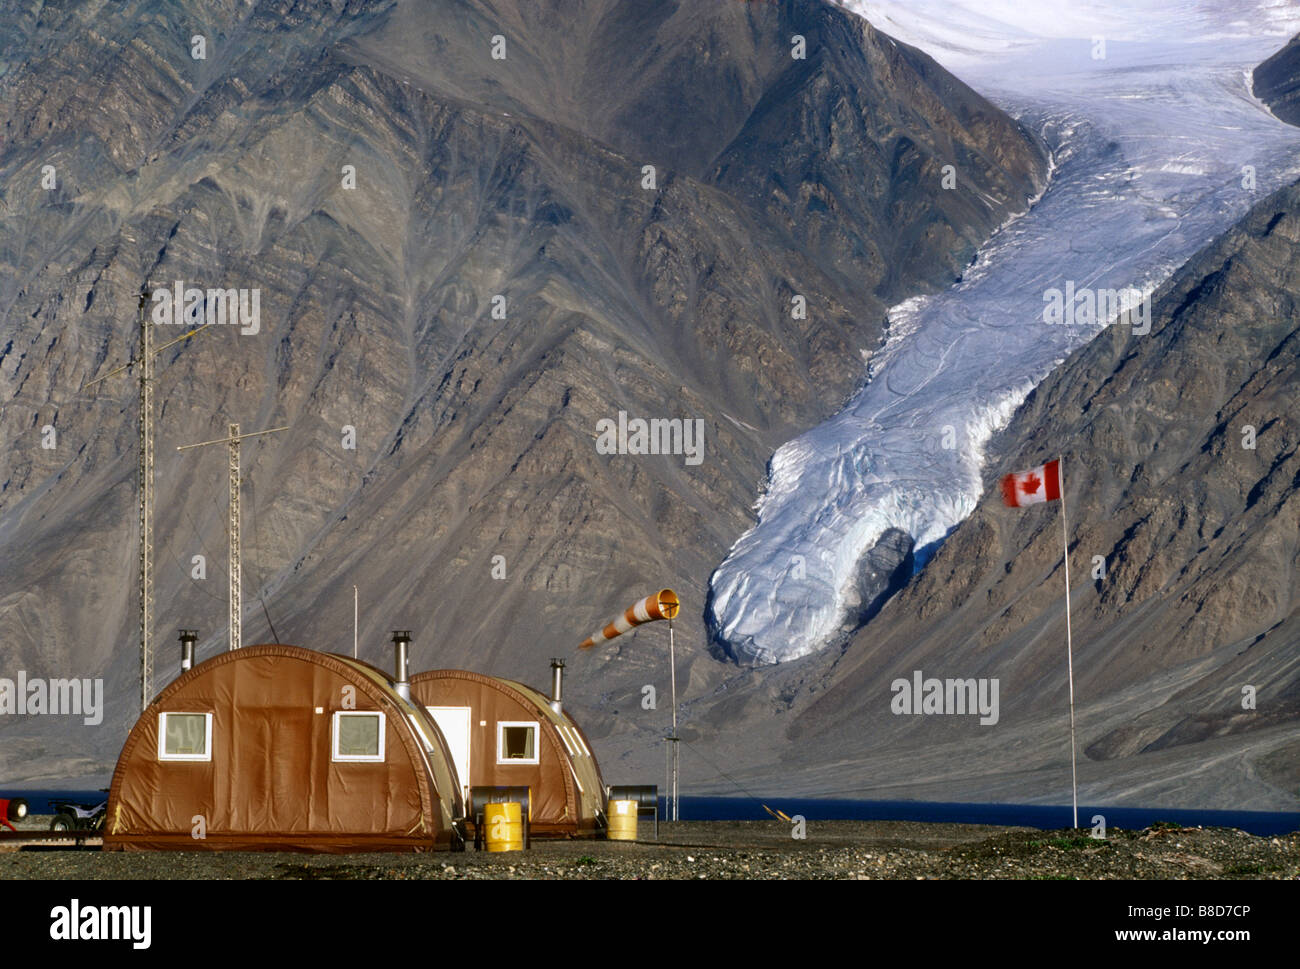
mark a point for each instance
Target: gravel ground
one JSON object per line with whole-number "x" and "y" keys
{"x": 738, "y": 850}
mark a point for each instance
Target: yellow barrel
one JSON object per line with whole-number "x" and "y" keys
{"x": 505, "y": 827}
{"x": 622, "y": 821}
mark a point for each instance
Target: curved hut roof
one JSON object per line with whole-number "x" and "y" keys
{"x": 567, "y": 791}
{"x": 271, "y": 774}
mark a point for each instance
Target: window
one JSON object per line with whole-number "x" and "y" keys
{"x": 358, "y": 735}
{"x": 517, "y": 742}
{"x": 185, "y": 736}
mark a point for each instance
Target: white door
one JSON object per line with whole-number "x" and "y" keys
{"x": 454, "y": 724}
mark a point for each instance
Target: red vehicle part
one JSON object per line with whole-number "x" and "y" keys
{"x": 12, "y": 809}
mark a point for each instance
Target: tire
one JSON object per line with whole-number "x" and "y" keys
{"x": 63, "y": 822}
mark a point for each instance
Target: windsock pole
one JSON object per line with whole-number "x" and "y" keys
{"x": 672, "y": 666}
{"x": 663, "y": 604}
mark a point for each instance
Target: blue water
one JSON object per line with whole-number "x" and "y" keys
{"x": 38, "y": 800}
{"x": 1048, "y": 817}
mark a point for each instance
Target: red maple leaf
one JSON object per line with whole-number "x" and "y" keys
{"x": 1030, "y": 484}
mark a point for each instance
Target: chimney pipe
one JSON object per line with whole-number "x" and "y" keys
{"x": 557, "y": 683}
{"x": 402, "y": 640}
{"x": 188, "y": 638}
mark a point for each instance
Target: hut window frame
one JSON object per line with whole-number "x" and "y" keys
{"x": 163, "y": 753}
{"x": 534, "y": 726}
{"x": 340, "y": 758}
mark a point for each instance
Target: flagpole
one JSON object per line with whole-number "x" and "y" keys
{"x": 1069, "y": 641}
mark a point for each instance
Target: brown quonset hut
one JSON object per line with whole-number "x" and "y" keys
{"x": 286, "y": 749}
{"x": 504, "y": 734}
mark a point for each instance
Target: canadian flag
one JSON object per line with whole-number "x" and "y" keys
{"x": 1042, "y": 483}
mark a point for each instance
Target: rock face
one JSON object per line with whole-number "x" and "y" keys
{"x": 1182, "y": 475}
{"x": 884, "y": 569}
{"x": 464, "y": 264}
{"x": 1277, "y": 82}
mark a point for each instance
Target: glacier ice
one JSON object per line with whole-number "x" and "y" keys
{"x": 1150, "y": 144}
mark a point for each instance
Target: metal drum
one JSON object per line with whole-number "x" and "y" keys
{"x": 504, "y": 826}
{"x": 480, "y": 797}
{"x": 622, "y": 821}
{"x": 645, "y": 795}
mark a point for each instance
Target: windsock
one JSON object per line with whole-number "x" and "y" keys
{"x": 662, "y": 605}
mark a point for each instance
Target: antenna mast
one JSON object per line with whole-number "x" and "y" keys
{"x": 146, "y": 503}
{"x": 236, "y": 616}
{"x": 236, "y": 556}
{"x": 145, "y": 482}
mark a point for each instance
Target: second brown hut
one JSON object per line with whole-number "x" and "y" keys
{"x": 505, "y": 734}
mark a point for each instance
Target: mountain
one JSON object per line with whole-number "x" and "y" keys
{"x": 1277, "y": 82}
{"x": 461, "y": 269}
{"x": 1182, "y": 480}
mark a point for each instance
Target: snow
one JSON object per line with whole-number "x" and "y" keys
{"x": 1149, "y": 146}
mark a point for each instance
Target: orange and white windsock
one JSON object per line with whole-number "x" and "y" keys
{"x": 662, "y": 605}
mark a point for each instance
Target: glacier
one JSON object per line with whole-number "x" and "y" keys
{"x": 1154, "y": 145}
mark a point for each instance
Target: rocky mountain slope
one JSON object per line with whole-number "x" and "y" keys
{"x": 1182, "y": 477}
{"x": 474, "y": 508}
{"x": 1277, "y": 82}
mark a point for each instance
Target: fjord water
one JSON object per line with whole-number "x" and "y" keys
{"x": 1154, "y": 148}
{"x": 1045, "y": 816}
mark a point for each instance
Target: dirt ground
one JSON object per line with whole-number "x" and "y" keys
{"x": 734, "y": 850}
